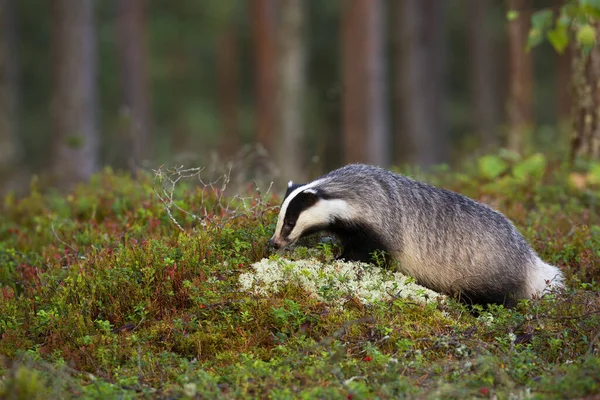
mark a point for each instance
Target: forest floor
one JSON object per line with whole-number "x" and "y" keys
{"x": 161, "y": 287}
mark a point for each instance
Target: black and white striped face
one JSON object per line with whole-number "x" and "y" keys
{"x": 306, "y": 209}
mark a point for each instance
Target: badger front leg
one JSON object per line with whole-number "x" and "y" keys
{"x": 357, "y": 248}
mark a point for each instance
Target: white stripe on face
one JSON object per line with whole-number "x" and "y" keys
{"x": 321, "y": 213}
{"x": 286, "y": 203}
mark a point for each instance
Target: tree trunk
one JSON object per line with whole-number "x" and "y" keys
{"x": 9, "y": 87}
{"x": 422, "y": 137}
{"x": 229, "y": 81}
{"x": 563, "y": 84}
{"x": 263, "y": 22}
{"x": 586, "y": 110}
{"x": 365, "y": 116}
{"x": 291, "y": 84}
{"x": 481, "y": 74}
{"x": 520, "y": 89}
{"x": 379, "y": 125}
{"x": 133, "y": 62}
{"x": 73, "y": 106}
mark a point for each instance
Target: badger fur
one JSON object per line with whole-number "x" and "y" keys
{"x": 446, "y": 241}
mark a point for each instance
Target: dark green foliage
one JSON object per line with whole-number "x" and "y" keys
{"x": 110, "y": 292}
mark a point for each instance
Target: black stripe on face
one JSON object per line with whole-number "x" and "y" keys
{"x": 301, "y": 202}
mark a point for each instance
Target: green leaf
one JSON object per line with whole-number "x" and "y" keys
{"x": 491, "y": 166}
{"x": 535, "y": 37}
{"x": 511, "y": 15}
{"x": 559, "y": 38}
{"x": 586, "y": 35}
{"x": 542, "y": 20}
{"x": 565, "y": 18}
{"x": 509, "y": 155}
{"x": 533, "y": 166}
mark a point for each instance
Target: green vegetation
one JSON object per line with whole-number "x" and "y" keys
{"x": 148, "y": 287}
{"x": 554, "y": 24}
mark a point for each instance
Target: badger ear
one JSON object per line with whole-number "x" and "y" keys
{"x": 310, "y": 197}
{"x": 313, "y": 195}
{"x": 291, "y": 187}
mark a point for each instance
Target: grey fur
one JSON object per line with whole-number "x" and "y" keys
{"x": 446, "y": 241}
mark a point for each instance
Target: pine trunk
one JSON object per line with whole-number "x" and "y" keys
{"x": 73, "y": 106}
{"x": 9, "y": 87}
{"x": 482, "y": 77}
{"x": 229, "y": 81}
{"x": 263, "y": 13}
{"x": 422, "y": 134}
{"x": 133, "y": 61}
{"x": 586, "y": 110}
{"x": 520, "y": 89}
{"x": 291, "y": 84}
{"x": 365, "y": 117}
{"x": 563, "y": 84}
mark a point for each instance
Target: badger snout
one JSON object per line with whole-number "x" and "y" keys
{"x": 274, "y": 244}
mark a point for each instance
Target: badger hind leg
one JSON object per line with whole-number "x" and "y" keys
{"x": 470, "y": 298}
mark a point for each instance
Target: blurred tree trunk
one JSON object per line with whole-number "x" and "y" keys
{"x": 520, "y": 89}
{"x": 481, "y": 73}
{"x": 365, "y": 123}
{"x": 133, "y": 62}
{"x": 73, "y": 106}
{"x": 563, "y": 84}
{"x": 422, "y": 135}
{"x": 229, "y": 81}
{"x": 9, "y": 87}
{"x": 263, "y": 24}
{"x": 586, "y": 109}
{"x": 291, "y": 84}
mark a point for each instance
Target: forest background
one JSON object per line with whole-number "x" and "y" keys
{"x": 301, "y": 86}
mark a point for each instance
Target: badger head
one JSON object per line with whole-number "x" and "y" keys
{"x": 306, "y": 209}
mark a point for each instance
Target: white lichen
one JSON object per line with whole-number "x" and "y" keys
{"x": 487, "y": 318}
{"x": 334, "y": 282}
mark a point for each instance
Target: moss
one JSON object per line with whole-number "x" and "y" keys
{"x": 113, "y": 291}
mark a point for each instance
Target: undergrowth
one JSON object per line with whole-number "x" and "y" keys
{"x": 149, "y": 287}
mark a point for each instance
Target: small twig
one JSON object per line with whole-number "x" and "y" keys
{"x": 167, "y": 208}
{"x": 62, "y": 241}
{"x": 231, "y": 207}
{"x": 592, "y": 342}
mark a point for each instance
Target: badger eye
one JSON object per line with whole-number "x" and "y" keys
{"x": 290, "y": 223}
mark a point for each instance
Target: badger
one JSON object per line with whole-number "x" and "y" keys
{"x": 444, "y": 240}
